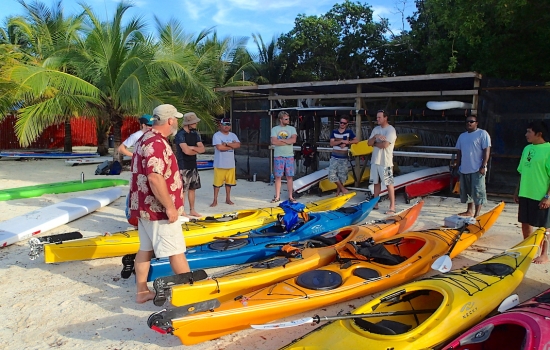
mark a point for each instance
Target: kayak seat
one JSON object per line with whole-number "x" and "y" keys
{"x": 327, "y": 241}
{"x": 347, "y": 210}
{"x": 228, "y": 244}
{"x": 366, "y": 273}
{"x": 269, "y": 264}
{"x": 397, "y": 327}
{"x": 492, "y": 269}
{"x": 319, "y": 280}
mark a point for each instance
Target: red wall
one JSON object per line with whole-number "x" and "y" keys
{"x": 83, "y": 133}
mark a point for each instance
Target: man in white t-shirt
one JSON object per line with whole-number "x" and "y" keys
{"x": 383, "y": 139}
{"x": 145, "y": 123}
{"x": 224, "y": 142}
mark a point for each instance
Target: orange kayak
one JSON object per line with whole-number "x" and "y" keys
{"x": 412, "y": 254}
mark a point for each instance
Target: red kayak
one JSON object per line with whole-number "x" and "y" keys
{"x": 524, "y": 327}
{"x": 427, "y": 186}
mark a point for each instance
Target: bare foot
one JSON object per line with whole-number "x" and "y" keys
{"x": 466, "y": 213}
{"x": 213, "y": 204}
{"x": 543, "y": 259}
{"x": 143, "y": 297}
{"x": 229, "y": 202}
{"x": 194, "y": 213}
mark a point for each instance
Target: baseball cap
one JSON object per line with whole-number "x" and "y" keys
{"x": 225, "y": 121}
{"x": 147, "y": 119}
{"x": 165, "y": 112}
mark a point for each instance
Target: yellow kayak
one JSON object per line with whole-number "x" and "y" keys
{"x": 362, "y": 148}
{"x": 196, "y": 232}
{"x": 254, "y": 276}
{"x": 411, "y": 255}
{"x": 427, "y": 313}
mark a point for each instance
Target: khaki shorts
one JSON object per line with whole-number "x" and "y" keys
{"x": 162, "y": 237}
{"x": 226, "y": 176}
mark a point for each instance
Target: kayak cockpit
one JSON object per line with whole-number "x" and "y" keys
{"x": 400, "y": 312}
{"x": 495, "y": 337}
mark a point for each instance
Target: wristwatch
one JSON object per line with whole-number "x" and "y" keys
{"x": 546, "y": 196}
{"x": 484, "y": 166}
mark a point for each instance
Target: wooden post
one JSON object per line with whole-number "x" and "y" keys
{"x": 358, "y": 133}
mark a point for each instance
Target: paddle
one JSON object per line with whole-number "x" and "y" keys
{"x": 318, "y": 319}
{"x": 444, "y": 263}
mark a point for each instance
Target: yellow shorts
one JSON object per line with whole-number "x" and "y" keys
{"x": 226, "y": 176}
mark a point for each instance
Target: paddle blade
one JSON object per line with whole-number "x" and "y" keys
{"x": 443, "y": 264}
{"x": 283, "y": 324}
{"x": 508, "y": 303}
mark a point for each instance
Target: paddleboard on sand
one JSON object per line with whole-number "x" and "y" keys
{"x": 442, "y": 105}
{"x": 52, "y": 216}
{"x": 94, "y": 160}
{"x": 47, "y": 155}
{"x": 415, "y": 176}
{"x": 58, "y": 187}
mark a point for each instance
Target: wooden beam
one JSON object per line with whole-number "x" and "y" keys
{"x": 425, "y": 77}
{"x": 379, "y": 94}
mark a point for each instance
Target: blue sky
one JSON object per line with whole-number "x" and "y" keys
{"x": 237, "y": 18}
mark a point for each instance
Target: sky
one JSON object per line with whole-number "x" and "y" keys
{"x": 236, "y": 18}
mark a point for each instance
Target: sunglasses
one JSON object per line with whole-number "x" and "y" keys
{"x": 226, "y": 124}
{"x": 343, "y": 123}
{"x": 471, "y": 121}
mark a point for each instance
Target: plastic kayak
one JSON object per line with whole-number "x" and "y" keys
{"x": 338, "y": 281}
{"x": 362, "y": 148}
{"x": 526, "y": 326}
{"x": 246, "y": 278}
{"x": 427, "y": 186}
{"x": 196, "y": 232}
{"x": 264, "y": 242}
{"x": 58, "y": 187}
{"x": 426, "y": 313}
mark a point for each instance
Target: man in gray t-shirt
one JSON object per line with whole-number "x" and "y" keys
{"x": 473, "y": 149}
{"x": 224, "y": 142}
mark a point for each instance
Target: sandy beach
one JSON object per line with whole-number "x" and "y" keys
{"x": 86, "y": 305}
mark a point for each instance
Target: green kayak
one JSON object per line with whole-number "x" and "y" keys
{"x": 58, "y": 187}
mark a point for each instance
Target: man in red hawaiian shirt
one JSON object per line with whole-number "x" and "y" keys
{"x": 156, "y": 199}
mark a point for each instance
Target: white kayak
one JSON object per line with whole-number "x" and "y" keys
{"x": 442, "y": 105}
{"x": 409, "y": 178}
{"x": 52, "y": 216}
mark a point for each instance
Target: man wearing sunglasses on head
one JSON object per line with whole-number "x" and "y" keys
{"x": 224, "y": 142}
{"x": 283, "y": 137}
{"x": 474, "y": 147}
{"x": 382, "y": 139}
{"x": 340, "y": 139}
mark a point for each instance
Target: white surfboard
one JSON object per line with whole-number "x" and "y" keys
{"x": 97, "y": 160}
{"x": 305, "y": 182}
{"x": 442, "y": 105}
{"x": 52, "y": 216}
{"x": 406, "y": 179}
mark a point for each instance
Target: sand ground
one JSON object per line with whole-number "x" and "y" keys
{"x": 86, "y": 305}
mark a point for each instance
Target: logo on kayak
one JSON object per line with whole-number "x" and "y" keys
{"x": 317, "y": 228}
{"x": 468, "y": 309}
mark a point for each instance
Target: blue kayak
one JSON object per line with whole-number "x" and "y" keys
{"x": 264, "y": 242}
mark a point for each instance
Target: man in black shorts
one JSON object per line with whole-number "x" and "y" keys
{"x": 189, "y": 144}
{"x": 533, "y": 191}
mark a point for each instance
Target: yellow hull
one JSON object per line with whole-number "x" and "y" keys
{"x": 419, "y": 249}
{"x": 251, "y": 278}
{"x": 362, "y": 148}
{"x": 454, "y": 301}
{"x": 196, "y": 232}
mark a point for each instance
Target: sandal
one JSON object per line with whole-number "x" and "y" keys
{"x": 275, "y": 200}
{"x": 292, "y": 200}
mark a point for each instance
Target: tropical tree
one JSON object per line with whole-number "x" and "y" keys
{"x": 268, "y": 67}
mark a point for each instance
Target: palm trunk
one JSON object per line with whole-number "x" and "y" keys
{"x": 102, "y": 129}
{"x": 116, "y": 123}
